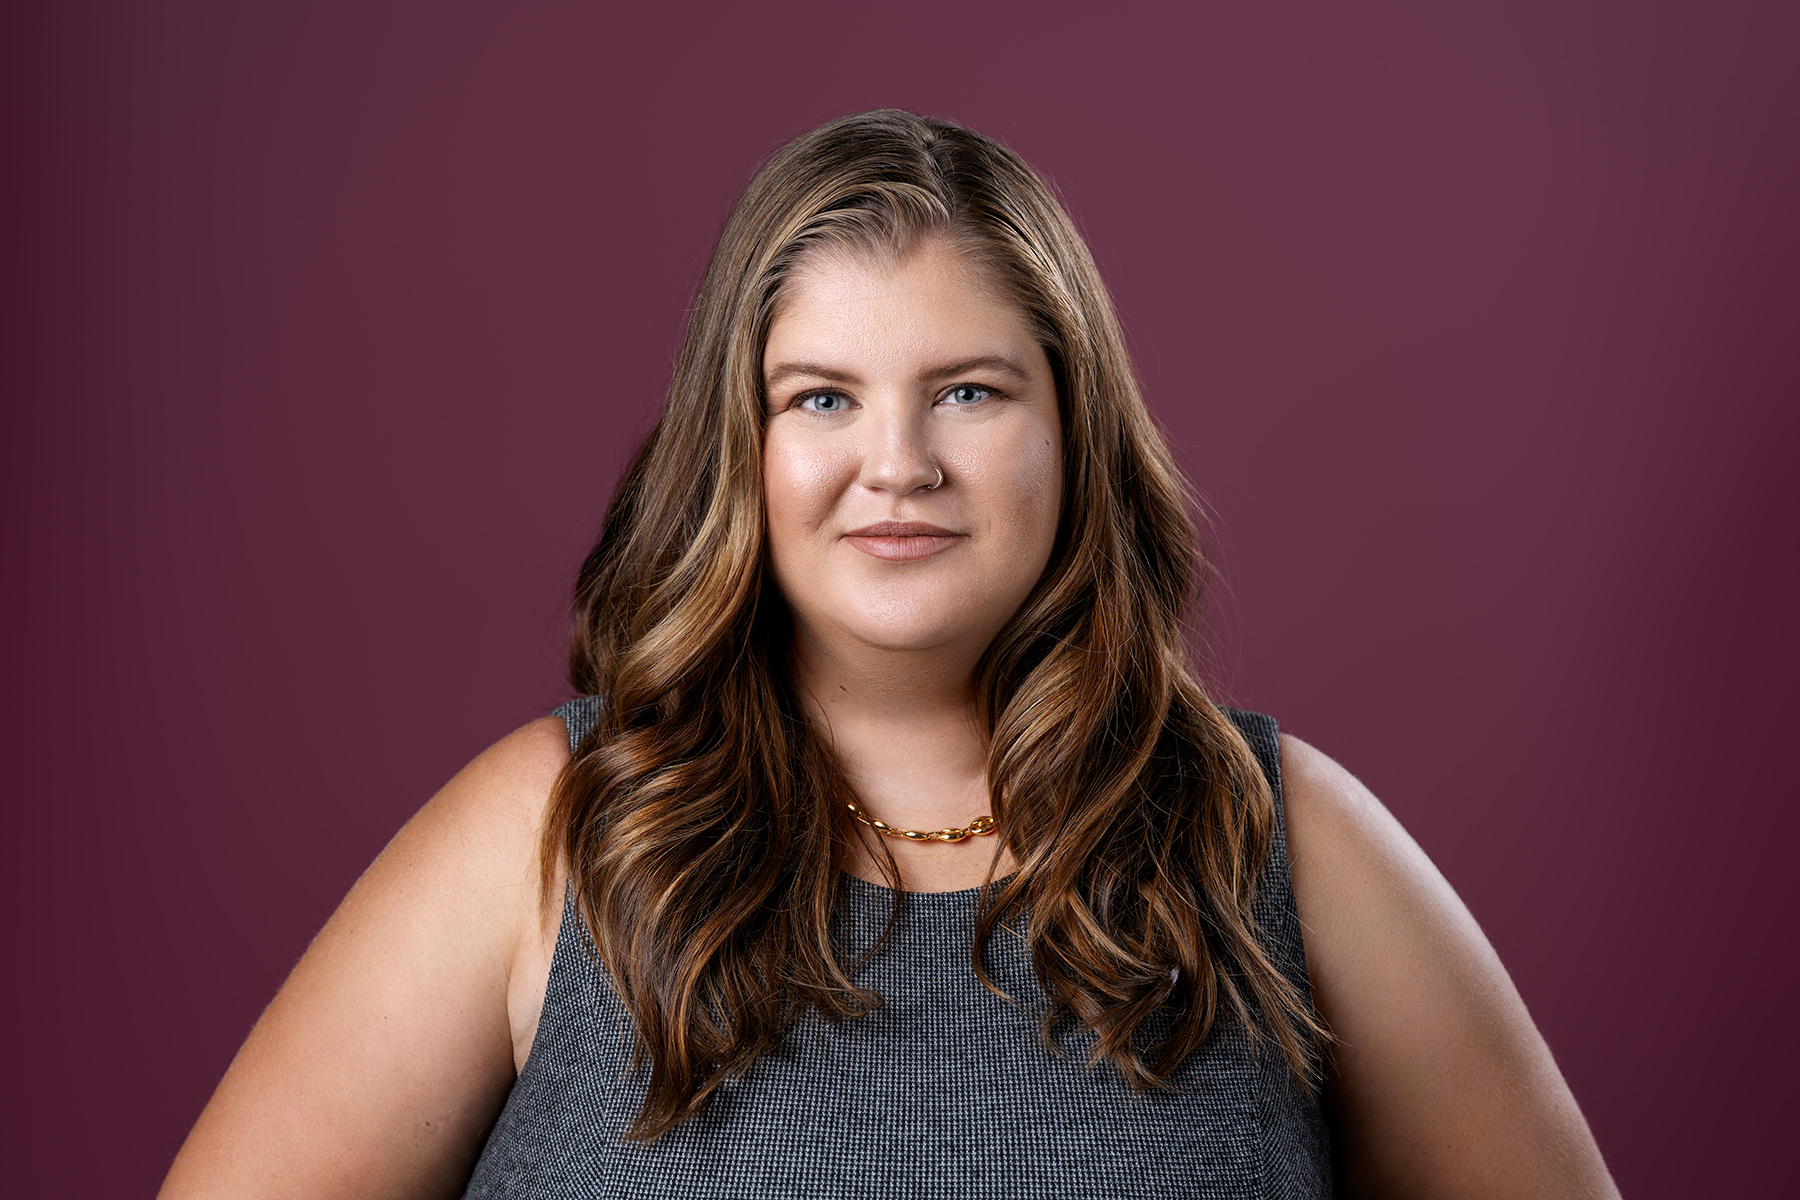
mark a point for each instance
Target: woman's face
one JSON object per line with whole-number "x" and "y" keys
{"x": 877, "y": 376}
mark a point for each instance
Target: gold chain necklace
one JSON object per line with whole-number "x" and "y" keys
{"x": 979, "y": 827}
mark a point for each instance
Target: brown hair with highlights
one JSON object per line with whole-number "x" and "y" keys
{"x": 702, "y": 823}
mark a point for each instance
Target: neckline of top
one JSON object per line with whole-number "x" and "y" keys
{"x": 876, "y": 891}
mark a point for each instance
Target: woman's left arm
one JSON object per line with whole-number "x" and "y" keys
{"x": 1440, "y": 1085}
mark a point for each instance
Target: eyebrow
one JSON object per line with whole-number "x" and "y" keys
{"x": 982, "y": 362}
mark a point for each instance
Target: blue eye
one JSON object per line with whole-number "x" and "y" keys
{"x": 967, "y": 393}
{"x": 824, "y": 402}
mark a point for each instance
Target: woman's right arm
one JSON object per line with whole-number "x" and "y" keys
{"x": 386, "y": 1055}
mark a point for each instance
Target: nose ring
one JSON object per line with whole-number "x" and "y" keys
{"x": 932, "y": 487}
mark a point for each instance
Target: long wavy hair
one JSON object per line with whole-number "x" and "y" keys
{"x": 702, "y": 823}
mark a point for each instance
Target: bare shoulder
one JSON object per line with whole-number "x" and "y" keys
{"x": 388, "y": 1051}
{"x": 1349, "y": 853}
{"x": 467, "y": 863}
{"x": 487, "y": 818}
{"x": 1440, "y": 1084}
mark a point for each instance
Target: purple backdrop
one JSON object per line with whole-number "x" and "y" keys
{"x": 331, "y": 325}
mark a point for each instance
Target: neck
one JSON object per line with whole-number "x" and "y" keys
{"x": 906, "y": 736}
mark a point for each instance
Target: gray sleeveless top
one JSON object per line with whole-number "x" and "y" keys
{"x": 946, "y": 1091}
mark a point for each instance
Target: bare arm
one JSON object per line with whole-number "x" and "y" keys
{"x": 1441, "y": 1085}
{"x": 387, "y": 1053}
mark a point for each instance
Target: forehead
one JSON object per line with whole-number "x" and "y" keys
{"x": 929, "y": 299}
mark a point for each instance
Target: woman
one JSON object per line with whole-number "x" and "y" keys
{"x": 904, "y": 556}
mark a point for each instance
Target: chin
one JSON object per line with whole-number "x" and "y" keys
{"x": 924, "y": 636}
{"x": 898, "y": 639}
{"x": 944, "y": 616}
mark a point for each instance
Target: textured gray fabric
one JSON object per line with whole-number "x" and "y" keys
{"x": 944, "y": 1092}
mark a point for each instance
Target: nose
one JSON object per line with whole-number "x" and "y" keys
{"x": 898, "y": 458}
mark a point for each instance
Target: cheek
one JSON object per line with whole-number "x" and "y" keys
{"x": 1036, "y": 470}
{"x": 1020, "y": 496}
{"x": 800, "y": 484}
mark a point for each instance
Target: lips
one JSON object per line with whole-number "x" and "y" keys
{"x": 885, "y": 529}
{"x": 902, "y": 541}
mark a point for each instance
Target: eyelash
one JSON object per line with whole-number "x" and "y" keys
{"x": 803, "y": 397}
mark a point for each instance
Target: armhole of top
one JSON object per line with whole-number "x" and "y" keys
{"x": 573, "y": 966}
{"x": 1274, "y": 905}
{"x": 579, "y": 716}
{"x": 574, "y": 960}
{"x": 1264, "y": 736}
